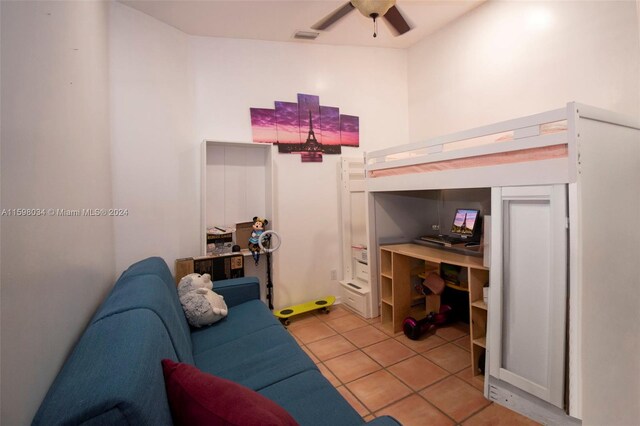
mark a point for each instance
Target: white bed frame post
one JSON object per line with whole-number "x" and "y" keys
{"x": 374, "y": 253}
{"x": 352, "y": 181}
{"x": 608, "y": 253}
{"x": 574, "y": 338}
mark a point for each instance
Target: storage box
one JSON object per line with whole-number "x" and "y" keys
{"x": 219, "y": 243}
{"x": 243, "y": 232}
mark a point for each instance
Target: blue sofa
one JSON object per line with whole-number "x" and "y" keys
{"x": 114, "y": 374}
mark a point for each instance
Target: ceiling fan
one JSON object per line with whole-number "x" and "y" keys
{"x": 371, "y": 9}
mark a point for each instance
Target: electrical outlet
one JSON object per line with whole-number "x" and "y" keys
{"x": 334, "y": 275}
{"x": 435, "y": 227}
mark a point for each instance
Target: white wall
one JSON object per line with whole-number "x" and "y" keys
{"x": 55, "y": 154}
{"x": 156, "y": 168}
{"x": 233, "y": 75}
{"x": 508, "y": 59}
{"x": 171, "y": 91}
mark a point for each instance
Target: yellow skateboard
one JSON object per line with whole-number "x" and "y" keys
{"x": 322, "y": 303}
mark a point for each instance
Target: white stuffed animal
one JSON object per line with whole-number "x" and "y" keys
{"x": 201, "y": 305}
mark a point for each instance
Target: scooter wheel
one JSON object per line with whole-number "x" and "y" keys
{"x": 411, "y": 328}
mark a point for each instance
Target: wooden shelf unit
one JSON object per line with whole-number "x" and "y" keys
{"x": 478, "y": 278}
{"x": 401, "y": 265}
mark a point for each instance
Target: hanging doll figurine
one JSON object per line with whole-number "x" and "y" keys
{"x": 258, "y": 228}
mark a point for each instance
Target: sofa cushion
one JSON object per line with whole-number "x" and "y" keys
{"x": 158, "y": 267}
{"x": 114, "y": 372}
{"x": 241, "y": 320}
{"x": 149, "y": 292}
{"x": 197, "y": 398}
{"x": 238, "y": 290}
{"x": 256, "y": 360}
{"x": 151, "y": 266}
{"x": 312, "y": 400}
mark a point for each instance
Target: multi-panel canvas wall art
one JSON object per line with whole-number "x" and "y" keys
{"x": 306, "y": 128}
{"x": 263, "y": 124}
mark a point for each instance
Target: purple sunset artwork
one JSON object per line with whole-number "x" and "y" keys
{"x": 330, "y": 125}
{"x": 263, "y": 125}
{"x": 287, "y": 122}
{"x": 306, "y": 128}
{"x": 349, "y": 130}
{"x": 309, "y": 113}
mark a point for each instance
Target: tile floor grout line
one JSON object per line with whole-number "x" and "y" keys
{"x": 417, "y": 392}
{"x": 433, "y": 405}
{"x": 476, "y": 412}
{"x": 343, "y": 383}
{"x": 362, "y": 377}
{"x": 358, "y": 399}
{"x": 427, "y": 386}
{"x": 314, "y": 319}
{"x": 413, "y": 392}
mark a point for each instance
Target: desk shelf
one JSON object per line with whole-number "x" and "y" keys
{"x": 479, "y": 304}
{"x": 403, "y": 264}
{"x": 481, "y": 341}
{"x": 457, "y": 287}
{"x": 386, "y": 313}
{"x": 417, "y": 297}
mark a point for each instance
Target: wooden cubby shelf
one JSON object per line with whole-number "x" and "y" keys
{"x": 481, "y": 341}
{"x": 479, "y": 304}
{"x": 402, "y": 265}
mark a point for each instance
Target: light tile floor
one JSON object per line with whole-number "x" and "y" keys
{"x": 423, "y": 382}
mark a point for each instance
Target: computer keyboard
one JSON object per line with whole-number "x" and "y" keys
{"x": 444, "y": 240}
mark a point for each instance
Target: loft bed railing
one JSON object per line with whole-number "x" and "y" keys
{"x": 537, "y": 137}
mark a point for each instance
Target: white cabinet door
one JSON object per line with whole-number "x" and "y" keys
{"x": 528, "y": 291}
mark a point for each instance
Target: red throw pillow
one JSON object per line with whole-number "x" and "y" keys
{"x": 198, "y": 398}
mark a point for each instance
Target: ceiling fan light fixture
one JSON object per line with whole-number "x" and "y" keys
{"x": 306, "y": 35}
{"x": 373, "y": 8}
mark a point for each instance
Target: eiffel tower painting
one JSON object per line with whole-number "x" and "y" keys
{"x": 306, "y": 128}
{"x": 312, "y": 144}
{"x": 311, "y": 149}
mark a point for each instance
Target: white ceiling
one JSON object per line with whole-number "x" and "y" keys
{"x": 279, "y": 20}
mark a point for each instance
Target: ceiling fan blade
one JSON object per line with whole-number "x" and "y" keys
{"x": 397, "y": 21}
{"x": 334, "y": 16}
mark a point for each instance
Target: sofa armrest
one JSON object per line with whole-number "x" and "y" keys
{"x": 238, "y": 290}
{"x": 384, "y": 421}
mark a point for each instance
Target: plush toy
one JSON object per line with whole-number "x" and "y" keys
{"x": 201, "y": 305}
{"x": 258, "y": 228}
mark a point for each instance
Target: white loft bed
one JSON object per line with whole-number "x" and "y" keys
{"x": 589, "y": 151}
{"x": 511, "y": 152}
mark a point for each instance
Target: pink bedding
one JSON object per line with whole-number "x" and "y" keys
{"x": 520, "y": 156}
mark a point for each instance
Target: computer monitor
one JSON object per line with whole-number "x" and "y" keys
{"x": 465, "y": 222}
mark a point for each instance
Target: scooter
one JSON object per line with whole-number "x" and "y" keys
{"x": 414, "y": 328}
